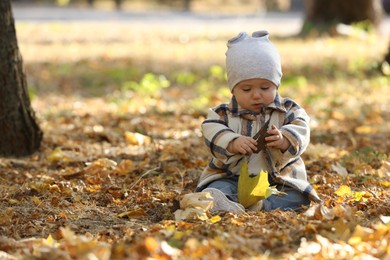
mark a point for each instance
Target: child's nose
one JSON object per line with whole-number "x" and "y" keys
{"x": 257, "y": 93}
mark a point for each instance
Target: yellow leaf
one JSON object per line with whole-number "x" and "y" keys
{"x": 56, "y": 155}
{"x": 385, "y": 184}
{"x": 273, "y": 191}
{"x": 359, "y": 196}
{"x": 343, "y": 190}
{"x": 50, "y": 241}
{"x": 252, "y": 189}
{"x": 136, "y": 138}
{"x": 215, "y": 219}
{"x": 365, "y": 129}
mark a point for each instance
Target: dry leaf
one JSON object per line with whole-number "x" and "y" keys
{"x": 385, "y": 220}
{"x": 125, "y": 167}
{"x": 365, "y": 129}
{"x": 260, "y": 137}
{"x": 194, "y": 206}
{"x": 320, "y": 150}
{"x": 215, "y": 219}
{"x": 201, "y": 200}
{"x": 340, "y": 170}
{"x": 136, "y": 213}
{"x": 319, "y": 211}
{"x": 343, "y": 190}
{"x": 102, "y": 163}
{"x": 190, "y": 213}
{"x": 136, "y": 138}
{"x": 56, "y": 155}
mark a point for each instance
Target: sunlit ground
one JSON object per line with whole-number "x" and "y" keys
{"x": 336, "y": 79}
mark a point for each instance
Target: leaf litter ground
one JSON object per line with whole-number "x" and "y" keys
{"x": 110, "y": 176}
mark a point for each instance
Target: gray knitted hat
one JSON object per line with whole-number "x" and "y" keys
{"x": 252, "y": 57}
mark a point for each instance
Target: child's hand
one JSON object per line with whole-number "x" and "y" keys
{"x": 276, "y": 139}
{"x": 242, "y": 145}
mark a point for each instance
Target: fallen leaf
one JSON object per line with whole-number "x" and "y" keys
{"x": 215, "y": 219}
{"x": 136, "y": 213}
{"x": 194, "y": 206}
{"x": 360, "y": 234}
{"x": 136, "y": 138}
{"x": 201, "y": 200}
{"x": 340, "y": 170}
{"x": 365, "y": 129}
{"x": 343, "y": 190}
{"x": 190, "y": 213}
{"x": 385, "y": 220}
{"x": 319, "y": 211}
{"x": 125, "y": 167}
{"x": 102, "y": 163}
{"x": 56, "y": 155}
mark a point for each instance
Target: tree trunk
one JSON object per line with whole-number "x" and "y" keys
{"x": 385, "y": 66}
{"x": 118, "y": 4}
{"x": 322, "y": 15}
{"x": 20, "y": 135}
{"x": 187, "y": 5}
{"x": 387, "y": 57}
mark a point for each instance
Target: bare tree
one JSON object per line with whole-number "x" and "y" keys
{"x": 20, "y": 135}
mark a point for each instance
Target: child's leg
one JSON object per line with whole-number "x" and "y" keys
{"x": 292, "y": 200}
{"x": 224, "y": 193}
{"x": 228, "y": 186}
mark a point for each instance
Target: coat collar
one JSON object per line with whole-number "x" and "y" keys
{"x": 236, "y": 110}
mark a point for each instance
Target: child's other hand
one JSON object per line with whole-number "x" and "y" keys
{"x": 276, "y": 139}
{"x": 242, "y": 145}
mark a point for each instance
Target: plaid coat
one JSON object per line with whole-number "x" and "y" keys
{"x": 228, "y": 121}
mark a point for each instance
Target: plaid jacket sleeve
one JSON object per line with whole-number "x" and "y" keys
{"x": 296, "y": 129}
{"x": 218, "y": 135}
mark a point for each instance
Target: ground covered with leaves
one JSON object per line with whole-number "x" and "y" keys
{"x": 122, "y": 146}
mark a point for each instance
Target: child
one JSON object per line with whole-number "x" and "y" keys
{"x": 254, "y": 74}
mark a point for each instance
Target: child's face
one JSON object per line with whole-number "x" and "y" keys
{"x": 253, "y": 94}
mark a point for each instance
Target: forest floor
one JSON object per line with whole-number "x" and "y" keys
{"x": 121, "y": 108}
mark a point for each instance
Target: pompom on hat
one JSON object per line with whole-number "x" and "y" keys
{"x": 250, "y": 57}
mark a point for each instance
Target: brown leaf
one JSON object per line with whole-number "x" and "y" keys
{"x": 260, "y": 137}
{"x": 136, "y": 213}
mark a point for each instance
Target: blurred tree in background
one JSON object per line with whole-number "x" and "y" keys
{"x": 322, "y": 16}
{"x": 19, "y": 133}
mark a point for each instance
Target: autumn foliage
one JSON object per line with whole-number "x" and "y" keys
{"x": 115, "y": 163}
